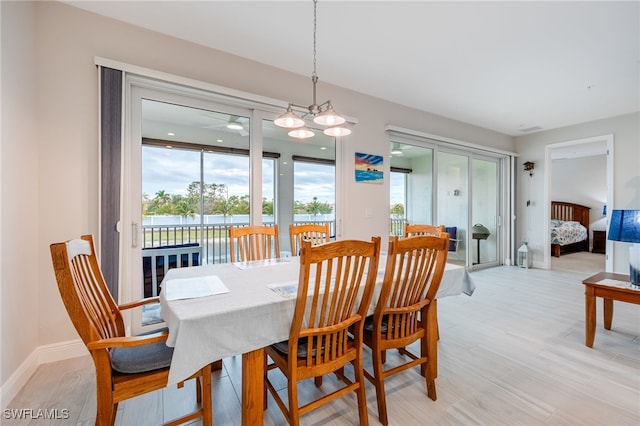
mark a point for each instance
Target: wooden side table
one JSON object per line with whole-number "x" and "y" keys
{"x": 610, "y": 287}
{"x": 599, "y": 242}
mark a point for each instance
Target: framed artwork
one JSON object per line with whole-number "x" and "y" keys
{"x": 369, "y": 168}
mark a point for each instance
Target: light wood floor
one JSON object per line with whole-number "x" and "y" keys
{"x": 512, "y": 354}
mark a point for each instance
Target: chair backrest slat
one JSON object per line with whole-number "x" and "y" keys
{"x": 415, "y": 266}
{"x": 256, "y": 242}
{"x": 91, "y": 307}
{"x": 341, "y": 277}
{"x": 422, "y": 229}
{"x": 316, "y": 233}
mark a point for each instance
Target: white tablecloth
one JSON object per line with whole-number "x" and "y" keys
{"x": 250, "y": 315}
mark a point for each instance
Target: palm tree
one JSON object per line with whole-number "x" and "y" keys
{"x": 162, "y": 198}
{"x": 184, "y": 208}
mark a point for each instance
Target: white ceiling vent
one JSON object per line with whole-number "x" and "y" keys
{"x": 531, "y": 129}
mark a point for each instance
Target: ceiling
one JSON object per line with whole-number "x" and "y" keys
{"x": 514, "y": 67}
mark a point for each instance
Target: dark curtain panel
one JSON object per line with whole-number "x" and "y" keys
{"x": 110, "y": 149}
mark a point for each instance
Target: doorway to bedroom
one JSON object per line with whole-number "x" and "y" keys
{"x": 580, "y": 172}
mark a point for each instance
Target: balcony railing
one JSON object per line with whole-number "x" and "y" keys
{"x": 213, "y": 239}
{"x": 157, "y": 261}
{"x": 397, "y": 227}
{"x": 174, "y": 246}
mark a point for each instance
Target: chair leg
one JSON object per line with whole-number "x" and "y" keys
{"x": 206, "y": 399}
{"x": 318, "y": 381}
{"x": 429, "y": 346}
{"x": 106, "y": 409}
{"x": 363, "y": 413}
{"x": 294, "y": 411}
{"x": 266, "y": 378}
{"x": 378, "y": 381}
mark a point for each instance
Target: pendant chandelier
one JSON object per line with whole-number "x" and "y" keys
{"x": 323, "y": 114}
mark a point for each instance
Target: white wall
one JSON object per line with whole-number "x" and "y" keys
{"x": 20, "y": 274}
{"x": 626, "y": 177}
{"x": 582, "y": 181}
{"x": 51, "y": 179}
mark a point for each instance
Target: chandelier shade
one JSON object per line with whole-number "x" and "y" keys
{"x": 337, "y": 131}
{"x": 301, "y": 133}
{"x": 329, "y": 117}
{"x": 323, "y": 114}
{"x": 289, "y": 119}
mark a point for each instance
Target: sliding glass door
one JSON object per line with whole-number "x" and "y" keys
{"x": 432, "y": 183}
{"x": 193, "y": 167}
{"x": 411, "y": 186}
{"x": 453, "y": 202}
{"x": 484, "y": 207}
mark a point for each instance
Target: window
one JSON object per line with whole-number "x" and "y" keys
{"x": 191, "y": 170}
{"x": 314, "y": 192}
{"x": 398, "y": 201}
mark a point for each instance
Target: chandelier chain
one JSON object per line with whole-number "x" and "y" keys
{"x": 315, "y": 24}
{"x": 323, "y": 114}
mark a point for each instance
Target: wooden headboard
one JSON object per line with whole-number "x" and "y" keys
{"x": 561, "y": 210}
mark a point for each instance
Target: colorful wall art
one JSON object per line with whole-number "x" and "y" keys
{"x": 369, "y": 168}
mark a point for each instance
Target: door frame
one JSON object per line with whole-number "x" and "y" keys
{"x": 608, "y": 139}
{"x": 136, "y": 89}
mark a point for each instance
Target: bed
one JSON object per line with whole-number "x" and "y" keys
{"x": 569, "y": 228}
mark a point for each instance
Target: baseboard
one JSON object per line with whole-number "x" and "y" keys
{"x": 41, "y": 355}
{"x": 63, "y": 350}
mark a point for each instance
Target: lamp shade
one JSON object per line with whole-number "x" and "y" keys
{"x": 625, "y": 226}
{"x": 301, "y": 133}
{"x": 329, "y": 117}
{"x": 289, "y": 120}
{"x": 337, "y": 131}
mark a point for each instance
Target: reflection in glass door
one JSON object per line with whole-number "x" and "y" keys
{"x": 463, "y": 195}
{"x": 484, "y": 208}
{"x": 410, "y": 186}
{"x": 194, "y": 182}
{"x": 453, "y": 202}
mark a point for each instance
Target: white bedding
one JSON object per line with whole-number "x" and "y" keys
{"x": 567, "y": 232}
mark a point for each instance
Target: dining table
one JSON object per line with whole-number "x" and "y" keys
{"x": 222, "y": 310}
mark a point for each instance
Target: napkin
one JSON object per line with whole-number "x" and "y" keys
{"x": 188, "y": 288}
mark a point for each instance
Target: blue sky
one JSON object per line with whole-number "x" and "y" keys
{"x": 173, "y": 169}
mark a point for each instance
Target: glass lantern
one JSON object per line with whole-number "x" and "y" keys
{"x": 525, "y": 259}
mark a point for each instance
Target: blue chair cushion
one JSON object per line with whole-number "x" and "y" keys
{"x": 453, "y": 234}
{"x": 139, "y": 359}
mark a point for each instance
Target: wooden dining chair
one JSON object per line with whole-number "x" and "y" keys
{"x": 420, "y": 229}
{"x": 255, "y": 242}
{"x": 126, "y": 366}
{"x": 406, "y": 311}
{"x": 335, "y": 287}
{"x": 314, "y": 232}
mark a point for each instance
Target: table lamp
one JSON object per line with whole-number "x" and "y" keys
{"x": 625, "y": 227}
